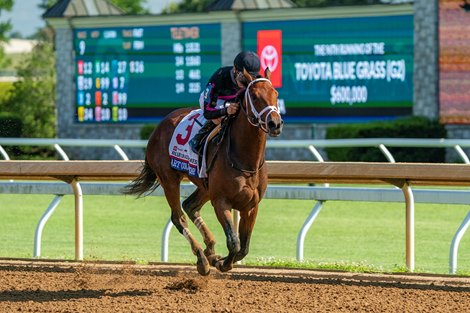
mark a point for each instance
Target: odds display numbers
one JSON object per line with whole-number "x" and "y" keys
{"x": 101, "y": 93}
{"x": 141, "y": 74}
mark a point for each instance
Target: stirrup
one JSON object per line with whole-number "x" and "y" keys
{"x": 197, "y": 145}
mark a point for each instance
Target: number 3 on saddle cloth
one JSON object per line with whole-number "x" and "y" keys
{"x": 183, "y": 158}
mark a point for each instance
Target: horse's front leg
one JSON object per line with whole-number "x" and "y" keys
{"x": 233, "y": 243}
{"x": 192, "y": 206}
{"x": 245, "y": 228}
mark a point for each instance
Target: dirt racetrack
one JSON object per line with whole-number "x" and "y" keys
{"x": 39, "y": 286}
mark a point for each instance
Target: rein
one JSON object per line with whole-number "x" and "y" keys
{"x": 232, "y": 163}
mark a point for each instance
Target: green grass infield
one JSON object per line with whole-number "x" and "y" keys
{"x": 352, "y": 236}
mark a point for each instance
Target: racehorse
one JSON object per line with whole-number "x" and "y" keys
{"x": 237, "y": 177}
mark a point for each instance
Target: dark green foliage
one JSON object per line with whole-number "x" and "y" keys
{"x": 131, "y": 6}
{"x": 5, "y": 28}
{"x": 5, "y": 88}
{"x": 33, "y": 96}
{"x": 10, "y": 125}
{"x": 412, "y": 127}
{"x": 187, "y": 6}
{"x": 146, "y": 131}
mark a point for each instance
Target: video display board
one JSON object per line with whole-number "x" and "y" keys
{"x": 454, "y": 62}
{"x": 140, "y": 74}
{"x": 338, "y": 69}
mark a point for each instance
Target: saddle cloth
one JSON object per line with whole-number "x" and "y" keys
{"x": 183, "y": 158}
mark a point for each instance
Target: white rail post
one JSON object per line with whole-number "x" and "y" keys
{"x": 42, "y": 222}
{"x": 410, "y": 227}
{"x": 4, "y": 153}
{"x": 387, "y": 153}
{"x": 77, "y": 191}
{"x": 462, "y": 154}
{"x": 62, "y": 153}
{"x": 305, "y": 228}
{"x": 316, "y": 153}
{"x": 165, "y": 239}
{"x": 121, "y": 152}
{"x": 318, "y": 157}
{"x": 454, "y": 247}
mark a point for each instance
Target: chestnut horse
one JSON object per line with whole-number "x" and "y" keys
{"x": 237, "y": 178}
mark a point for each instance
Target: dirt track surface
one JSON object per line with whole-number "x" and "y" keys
{"x": 27, "y": 286}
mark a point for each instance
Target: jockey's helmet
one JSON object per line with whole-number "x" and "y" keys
{"x": 248, "y": 60}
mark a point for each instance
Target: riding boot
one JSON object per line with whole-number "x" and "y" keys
{"x": 197, "y": 143}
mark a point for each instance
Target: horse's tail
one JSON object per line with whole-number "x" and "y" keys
{"x": 146, "y": 182}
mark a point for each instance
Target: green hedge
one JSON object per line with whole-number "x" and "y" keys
{"x": 10, "y": 125}
{"x": 411, "y": 127}
{"x": 146, "y": 131}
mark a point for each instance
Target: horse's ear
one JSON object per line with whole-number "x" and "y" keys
{"x": 267, "y": 73}
{"x": 247, "y": 75}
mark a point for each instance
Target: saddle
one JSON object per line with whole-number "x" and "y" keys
{"x": 182, "y": 157}
{"x": 216, "y": 135}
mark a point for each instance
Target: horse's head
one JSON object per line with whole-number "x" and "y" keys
{"x": 260, "y": 104}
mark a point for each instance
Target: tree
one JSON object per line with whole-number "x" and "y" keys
{"x": 5, "y": 27}
{"x": 187, "y": 6}
{"x": 131, "y": 6}
{"x": 46, "y": 4}
{"x": 33, "y": 95}
{"x": 5, "y": 5}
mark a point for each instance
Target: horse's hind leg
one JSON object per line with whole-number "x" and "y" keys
{"x": 172, "y": 194}
{"x": 192, "y": 206}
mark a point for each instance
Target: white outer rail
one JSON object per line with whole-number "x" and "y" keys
{"x": 380, "y": 143}
{"x": 321, "y": 194}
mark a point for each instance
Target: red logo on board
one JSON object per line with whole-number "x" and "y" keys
{"x": 270, "y": 54}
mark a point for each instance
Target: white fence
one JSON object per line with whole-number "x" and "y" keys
{"x": 379, "y": 143}
{"x": 320, "y": 194}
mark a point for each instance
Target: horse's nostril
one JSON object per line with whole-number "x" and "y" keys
{"x": 272, "y": 125}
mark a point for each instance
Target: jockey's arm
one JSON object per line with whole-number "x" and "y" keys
{"x": 213, "y": 113}
{"x": 211, "y": 99}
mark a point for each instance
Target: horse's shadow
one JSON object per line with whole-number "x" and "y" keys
{"x": 61, "y": 295}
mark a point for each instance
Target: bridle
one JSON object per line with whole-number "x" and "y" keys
{"x": 256, "y": 120}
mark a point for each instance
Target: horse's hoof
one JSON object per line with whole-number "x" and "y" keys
{"x": 220, "y": 265}
{"x": 213, "y": 259}
{"x": 209, "y": 252}
{"x": 202, "y": 270}
{"x": 203, "y": 265}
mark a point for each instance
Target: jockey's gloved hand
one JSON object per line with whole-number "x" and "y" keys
{"x": 232, "y": 108}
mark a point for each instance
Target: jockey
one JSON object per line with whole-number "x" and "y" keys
{"x": 221, "y": 89}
